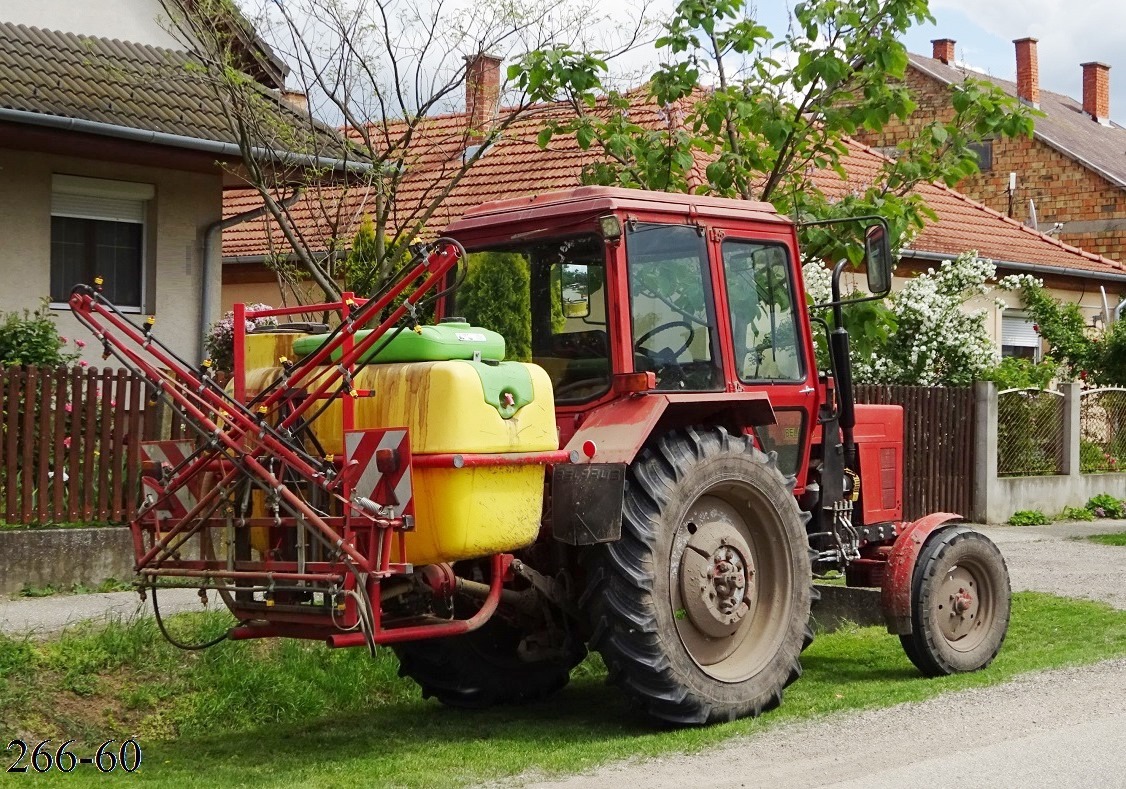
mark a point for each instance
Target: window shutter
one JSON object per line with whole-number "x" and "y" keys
{"x": 90, "y": 207}
{"x": 99, "y": 198}
{"x": 1017, "y": 330}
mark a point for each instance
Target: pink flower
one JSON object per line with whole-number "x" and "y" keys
{"x": 80, "y": 343}
{"x": 83, "y": 363}
{"x": 113, "y": 404}
{"x": 66, "y": 442}
{"x": 68, "y": 408}
{"x": 62, "y": 341}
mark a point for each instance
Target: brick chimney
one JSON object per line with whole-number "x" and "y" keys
{"x": 482, "y": 93}
{"x": 1028, "y": 72}
{"x": 943, "y": 49}
{"x": 1096, "y": 91}
{"x": 296, "y": 99}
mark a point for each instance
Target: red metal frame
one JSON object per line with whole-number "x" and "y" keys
{"x": 249, "y": 440}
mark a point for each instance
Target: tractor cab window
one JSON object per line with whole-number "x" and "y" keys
{"x": 760, "y": 296}
{"x": 548, "y": 300}
{"x": 671, "y": 306}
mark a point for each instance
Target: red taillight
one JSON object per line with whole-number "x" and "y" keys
{"x": 387, "y": 460}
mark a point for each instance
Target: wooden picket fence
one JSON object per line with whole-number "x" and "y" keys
{"x": 71, "y": 443}
{"x": 938, "y": 445}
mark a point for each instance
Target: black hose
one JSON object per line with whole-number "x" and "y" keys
{"x": 168, "y": 636}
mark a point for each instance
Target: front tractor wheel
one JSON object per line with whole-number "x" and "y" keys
{"x": 701, "y": 609}
{"x": 960, "y": 602}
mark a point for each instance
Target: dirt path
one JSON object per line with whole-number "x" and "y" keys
{"x": 1051, "y": 559}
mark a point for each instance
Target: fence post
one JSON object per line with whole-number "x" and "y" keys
{"x": 985, "y": 448}
{"x": 1072, "y": 427}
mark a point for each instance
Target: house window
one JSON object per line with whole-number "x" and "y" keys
{"x": 1018, "y": 338}
{"x": 984, "y": 152}
{"x": 98, "y": 229}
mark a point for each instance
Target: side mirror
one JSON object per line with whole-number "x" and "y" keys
{"x": 574, "y": 283}
{"x": 877, "y": 259}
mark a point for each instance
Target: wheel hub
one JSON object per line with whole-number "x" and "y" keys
{"x": 716, "y": 577}
{"x": 958, "y": 604}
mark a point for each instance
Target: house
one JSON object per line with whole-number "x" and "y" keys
{"x": 115, "y": 152}
{"x": 1073, "y": 169}
{"x": 516, "y": 166}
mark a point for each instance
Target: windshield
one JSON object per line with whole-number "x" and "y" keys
{"x": 548, "y": 300}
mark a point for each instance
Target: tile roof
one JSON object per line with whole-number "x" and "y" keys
{"x": 516, "y": 166}
{"x": 1064, "y": 126}
{"x": 129, "y": 85}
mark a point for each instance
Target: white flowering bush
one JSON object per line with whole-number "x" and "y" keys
{"x": 221, "y": 336}
{"x": 937, "y": 341}
{"x": 818, "y": 282}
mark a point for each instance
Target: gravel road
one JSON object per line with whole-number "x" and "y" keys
{"x": 42, "y": 616}
{"x": 1057, "y": 729}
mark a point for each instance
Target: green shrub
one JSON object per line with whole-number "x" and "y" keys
{"x": 1015, "y": 373}
{"x": 1106, "y": 506}
{"x": 1076, "y": 514}
{"x": 33, "y": 338}
{"x": 1029, "y": 518}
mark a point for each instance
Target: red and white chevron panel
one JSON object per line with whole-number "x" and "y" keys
{"x": 172, "y": 454}
{"x": 393, "y": 488}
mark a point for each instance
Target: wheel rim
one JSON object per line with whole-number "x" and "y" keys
{"x": 965, "y": 606}
{"x": 732, "y": 581}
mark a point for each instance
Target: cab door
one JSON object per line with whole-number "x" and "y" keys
{"x": 766, "y": 340}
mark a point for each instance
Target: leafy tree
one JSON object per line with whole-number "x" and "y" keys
{"x": 764, "y": 115}
{"x": 496, "y": 294}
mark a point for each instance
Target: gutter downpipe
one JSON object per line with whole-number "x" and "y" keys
{"x": 211, "y": 236}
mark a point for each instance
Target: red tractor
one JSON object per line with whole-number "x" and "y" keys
{"x": 661, "y": 483}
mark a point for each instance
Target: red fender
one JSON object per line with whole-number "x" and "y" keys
{"x": 895, "y": 597}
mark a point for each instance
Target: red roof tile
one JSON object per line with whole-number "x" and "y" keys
{"x": 516, "y": 166}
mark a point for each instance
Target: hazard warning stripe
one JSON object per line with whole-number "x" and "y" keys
{"x": 393, "y": 490}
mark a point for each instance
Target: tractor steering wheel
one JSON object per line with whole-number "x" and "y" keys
{"x": 665, "y": 327}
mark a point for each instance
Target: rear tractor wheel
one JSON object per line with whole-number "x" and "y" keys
{"x": 487, "y": 667}
{"x": 960, "y": 603}
{"x": 701, "y": 609}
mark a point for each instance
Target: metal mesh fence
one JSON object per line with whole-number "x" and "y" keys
{"x": 1102, "y": 434}
{"x": 1029, "y": 433}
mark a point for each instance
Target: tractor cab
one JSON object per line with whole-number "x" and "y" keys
{"x": 641, "y": 292}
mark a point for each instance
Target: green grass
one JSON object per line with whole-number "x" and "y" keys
{"x": 1117, "y": 538}
{"x": 284, "y": 714}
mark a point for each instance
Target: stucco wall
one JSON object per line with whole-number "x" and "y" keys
{"x": 185, "y": 203}
{"x": 141, "y": 21}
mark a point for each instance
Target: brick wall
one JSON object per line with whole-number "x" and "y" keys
{"x": 1064, "y": 190}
